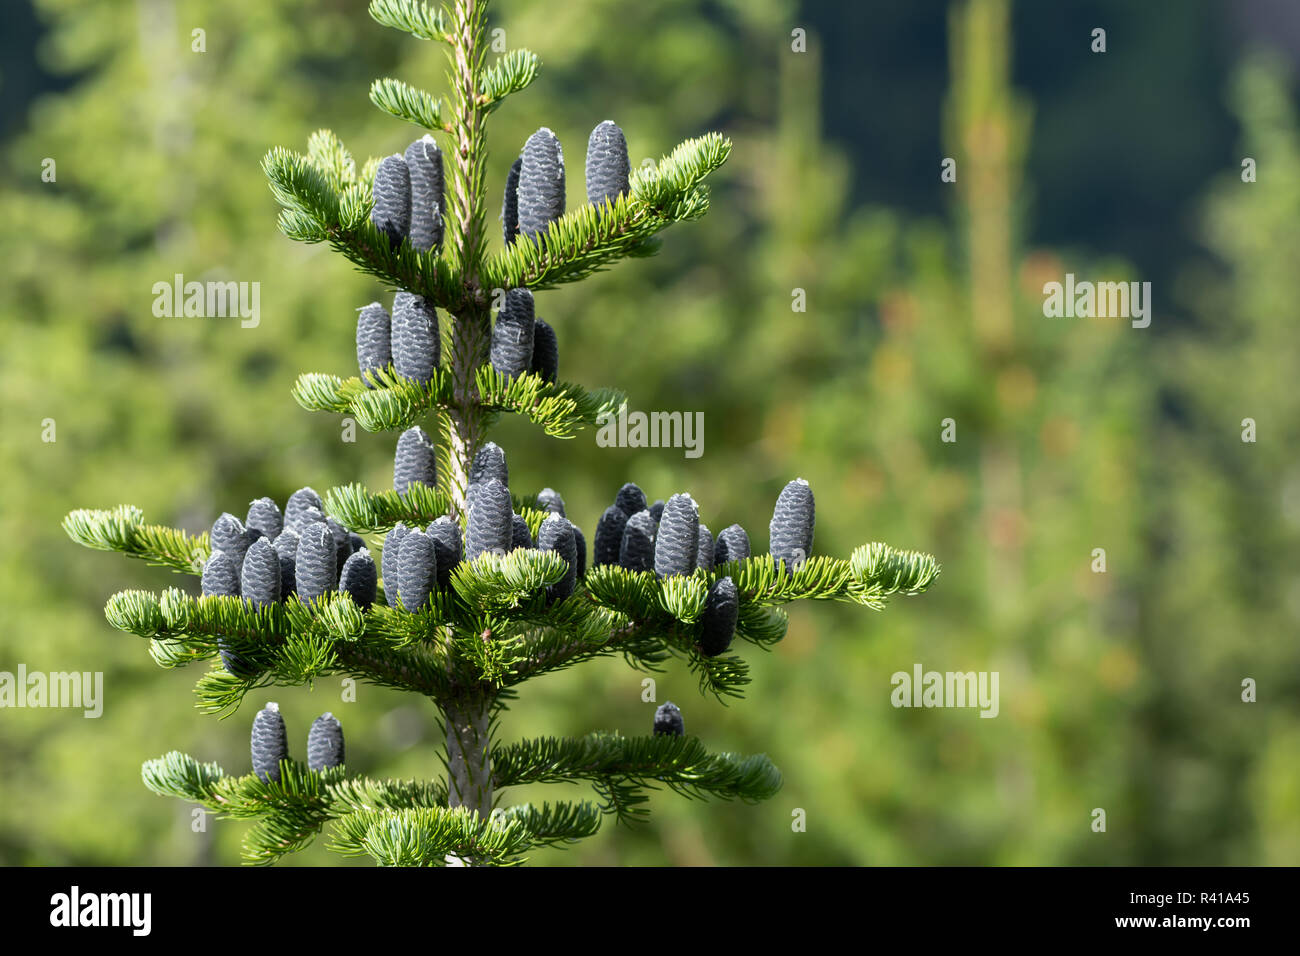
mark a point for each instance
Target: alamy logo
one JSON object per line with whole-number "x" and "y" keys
{"x": 653, "y": 430}
{"x": 211, "y": 300}
{"x": 951, "y": 689}
{"x": 75, "y": 908}
{"x": 83, "y": 689}
{"x": 1098, "y": 300}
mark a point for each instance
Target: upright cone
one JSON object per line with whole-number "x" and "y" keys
{"x": 269, "y": 743}
{"x": 541, "y": 183}
{"x": 607, "y": 164}
{"x": 391, "y": 214}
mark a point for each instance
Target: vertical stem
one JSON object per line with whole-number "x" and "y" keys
{"x": 469, "y": 763}
{"x": 471, "y": 328}
{"x": 469, "y": 779}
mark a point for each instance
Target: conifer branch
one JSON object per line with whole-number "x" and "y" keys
{"x": 366, "y": 512}
{"x": 409, "y": 103}
{"x": 289, "y": 812}
{"x": 510, "y": 74}
{"x": 589, "y": 238}
{"x": 384, "y": 401}
{"x": 123, "y": 530}
{"x": 624, "y": 767}
{"x": 411, "y": 16}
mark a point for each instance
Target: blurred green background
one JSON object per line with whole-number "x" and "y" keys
{"x": 1119, "y": 690}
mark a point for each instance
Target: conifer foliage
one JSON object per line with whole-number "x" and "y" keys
{"x": 475, "y": 589}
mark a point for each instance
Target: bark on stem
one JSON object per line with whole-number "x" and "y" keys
{"x": 467, "y": 717}
{"x": 469, "y": 762}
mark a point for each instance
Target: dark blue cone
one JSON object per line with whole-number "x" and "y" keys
{"x": 424, "y": 164}
{"x": 668, "y": 721}
{"x": 228, "y": 534}
{"x": 359, "y": 579}
{"x": 491, "y": 527}
{"x": 260, "y": 578}
{"x": 220, "y": 576}
{"x": 342, "y": 544}
{"x": 607, "y": 163}
{"x": 609, "y": 535}
{"x": 286, "y": 549}
{"x": 374, "y": 339}
{"x": 556, "y": 534}
{"x": 269, "y": 743}
{"x": 512, "y": 334}
{"x": 392, "y": 193}
{"x": 541, "y": 183}
{"x": 520, "y": 536}
{"x": 732, "y": 545}
{"x": 264, "y": 516}
{"x": 417, "y": 570}
{"x": 295, "y": 510}
{"x": 316, "y": 568}
{"x": 489, "y": 462}
{"x": 630, "y": 500}
{"x": 637, "y": 551}
{"x": 417, "y": 349}
{"x": 447, "y": 548}
{"x": 704, "y": 555}
{"x": 791, "y": 530}
{"x": 657, "y": 511}
{"x": 510, "y": 205}
{"x": 388, "y": 561}
{"x": 580, "y": 544}
{"x": 548, "y": 499}
{"x": 678, "y": 538}
{"x": 415, "y": 460}
{"x": 546, "y": 352}
{"x": 718, "y": 622}
{"x": 325, "y": 743}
